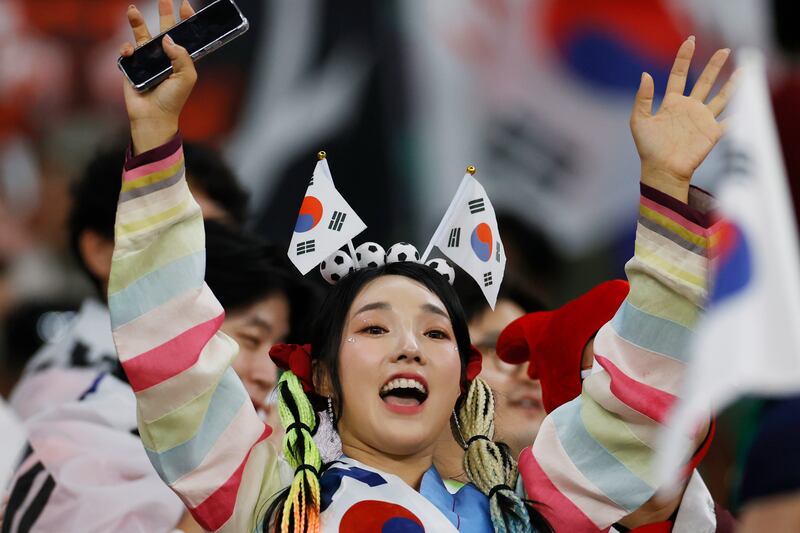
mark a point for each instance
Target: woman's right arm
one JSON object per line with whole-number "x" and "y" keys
{"x": 196, "y": 421}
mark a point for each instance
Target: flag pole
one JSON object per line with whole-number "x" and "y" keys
{"x": 353, "y": 253}
{"x": 442, "y": 225}
{"x": 322, "y": 155}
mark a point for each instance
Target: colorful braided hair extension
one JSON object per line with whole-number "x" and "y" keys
{"x": 300, "y": 510}
{"x": 490, "y": 466}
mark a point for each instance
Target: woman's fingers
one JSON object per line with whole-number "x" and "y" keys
{"x": 182, "y": 64}
{"x": 643, "y": 104}
{"x": 709, "y": 76}
{"x": 718, "y": 103}
{"x": 166, "y": 15}
{"x": 186, "y": 10}
{"x": 680, "y": 69}
{"x": 126, "y": 50}
{"x": 140, "y": 32}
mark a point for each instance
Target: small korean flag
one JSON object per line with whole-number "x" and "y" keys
{"x": 468, "y": 235}
{"x": 325, "y": 221}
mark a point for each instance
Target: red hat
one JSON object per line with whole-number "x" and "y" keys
{"x": 552, "y": 342}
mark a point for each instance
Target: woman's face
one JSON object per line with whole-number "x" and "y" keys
{"x": 399, "y": 368}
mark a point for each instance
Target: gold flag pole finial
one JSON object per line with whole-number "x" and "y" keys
{"x": 471, "y": 170}
{"x": 321, "y": 155}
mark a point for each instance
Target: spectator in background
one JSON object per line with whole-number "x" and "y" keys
{"x": 88, "y": 344}
{"x": 265, "y": 302}
{"x": 86, "y": 464}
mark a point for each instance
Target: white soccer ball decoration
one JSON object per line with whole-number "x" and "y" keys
{"x": 370, "y": 254}
{"x": 443, "y": 267}
{"x": 402, "y": 252}
{"x": 335, "y": 267}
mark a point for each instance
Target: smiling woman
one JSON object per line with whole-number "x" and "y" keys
{"x": 391, "y": 349}
{"x": 390, "y": 355}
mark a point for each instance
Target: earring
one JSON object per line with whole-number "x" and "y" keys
{"x": 331, "y": 416}
{"x": 326, "y": 437}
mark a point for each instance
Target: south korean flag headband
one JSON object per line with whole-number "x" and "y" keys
{"x": 467, "y": 235}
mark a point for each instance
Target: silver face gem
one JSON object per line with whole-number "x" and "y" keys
{"x": 350, "y": 339}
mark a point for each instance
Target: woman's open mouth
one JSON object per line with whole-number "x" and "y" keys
{"x": 405, "y": 393}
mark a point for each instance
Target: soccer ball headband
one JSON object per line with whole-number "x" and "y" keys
{"x": 467, "y": 236}
{"x": 372, "y": 255}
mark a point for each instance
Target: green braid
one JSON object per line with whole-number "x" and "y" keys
{"x": 489, "y": 465}
{"x": 300, "y": 513}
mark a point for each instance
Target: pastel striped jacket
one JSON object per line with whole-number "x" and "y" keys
{"x": 591, "y": 463}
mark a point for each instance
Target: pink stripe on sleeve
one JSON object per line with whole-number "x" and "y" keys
{"x": 150, "y": 168}
{"x": 675, "y": 217}
{"x": 172, "y": 357}
{"x": 651, "y": 402}
{"x": 554, "y": 505}
{"x": 218, "y": 508}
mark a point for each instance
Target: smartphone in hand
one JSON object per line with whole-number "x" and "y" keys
{"x": 210, "y": 28}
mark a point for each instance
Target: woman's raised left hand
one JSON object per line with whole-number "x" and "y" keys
{"x": 675, "y": 140}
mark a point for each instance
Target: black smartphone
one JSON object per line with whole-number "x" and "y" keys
{"x": 213, "y": 26}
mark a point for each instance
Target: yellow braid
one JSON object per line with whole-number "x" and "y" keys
{"x": 301, "y": 508}
{"x": 488, "y": 464}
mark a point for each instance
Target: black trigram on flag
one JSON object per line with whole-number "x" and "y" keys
{"x": 737, "y": 160}
{"x": 305, "y": 247}
{"x": 455, "y": 238}
{"x": 476, "y": 206}
{"x": 497, "y": 255}
{"x": 311, "y": 182}
{"x": 337, "y": 220}
{"x": 487, "y": 279}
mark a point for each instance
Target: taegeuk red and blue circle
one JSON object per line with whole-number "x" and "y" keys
{"x": 374, "y": 516}
{"x": 309, "y": 216}
{"x": 481, "y": 241}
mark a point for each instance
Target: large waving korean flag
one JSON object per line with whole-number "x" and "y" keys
{"x": 468, "y": 236}
{"x": 324, "y": 224}
{"x": 749, "y": 340}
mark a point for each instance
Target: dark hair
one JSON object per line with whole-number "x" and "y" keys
{"x": 326, "y": 340}
{"x": 28, "y": 326}
{"x": 96, "y": 191}
{"x": 474, "y": 302}
{"x": 207, "y": 171}
{"x": 241, "y": 270}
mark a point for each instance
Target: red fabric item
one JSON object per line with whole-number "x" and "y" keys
{"x": 701, "y": 452}
{"x": 552, "y": 342}
{"x": 297, "y": 358}
{"x": 656, "y": 527}
{"x": 474, "y": 364}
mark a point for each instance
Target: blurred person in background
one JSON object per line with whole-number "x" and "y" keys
{"x": 85, "y": 469}
{"x": 87, "y": 345}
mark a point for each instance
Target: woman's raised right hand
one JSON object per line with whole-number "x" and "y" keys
{"x": 154, "y": 114}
